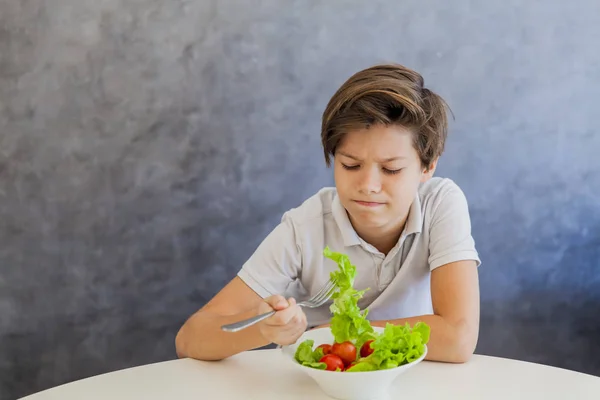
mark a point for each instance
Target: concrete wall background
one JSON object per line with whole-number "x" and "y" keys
{"x": 135, "y": 176}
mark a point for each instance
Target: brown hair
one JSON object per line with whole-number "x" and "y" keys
{"x": 387, "y": 94}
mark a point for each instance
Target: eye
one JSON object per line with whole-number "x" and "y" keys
{"x": 392, "y": 171}
{"x": 350, "y": 167}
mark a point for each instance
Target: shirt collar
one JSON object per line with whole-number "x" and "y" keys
{"x": 343, "y": 222}
{"x": 414, "y": 222}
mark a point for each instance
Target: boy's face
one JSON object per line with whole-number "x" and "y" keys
{"x": 377, "y": 174}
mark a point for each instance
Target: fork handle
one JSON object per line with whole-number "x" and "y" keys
{"x": 238, "y": 326}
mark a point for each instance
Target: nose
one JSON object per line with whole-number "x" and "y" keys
{"x": 370, "y": 181}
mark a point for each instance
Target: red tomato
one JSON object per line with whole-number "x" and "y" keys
{"x": 346, "y": 351}
{"x": 326, "y": 348}
{"x": 333, "y": 362}
{"x": 366, "y": 349}
{"x": 350, "y": 366}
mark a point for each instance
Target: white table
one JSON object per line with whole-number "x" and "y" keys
{"x": 266, "y": 375}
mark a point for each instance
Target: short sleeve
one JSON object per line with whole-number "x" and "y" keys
{"x": 450, "y": 238}
{"x": 276, "y": 262}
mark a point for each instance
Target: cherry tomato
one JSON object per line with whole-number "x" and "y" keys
{"x": 326, "y": 348}
{"x": 346, "y": 351}
{"x": 366, "y": 349}
{"x": 333, "y": 362}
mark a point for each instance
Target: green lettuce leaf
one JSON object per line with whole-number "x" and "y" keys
{"x": 307, "y": 357}
{"x": 362, "y": 366}
{"x": 396, "y": 346}
{"x": 348, "y": 322}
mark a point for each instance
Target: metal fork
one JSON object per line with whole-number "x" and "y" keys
{"x": 316, "y": 301}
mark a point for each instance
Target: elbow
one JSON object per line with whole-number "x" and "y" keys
{"x": 179, "y": 344}
{"x": 184, "y": 346}
{"x": 462, "y": 356}
{"x": 189, "y": 344}
{"x": 464, "y": 345}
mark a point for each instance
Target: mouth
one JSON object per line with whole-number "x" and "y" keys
{"x": 368, "y": 203}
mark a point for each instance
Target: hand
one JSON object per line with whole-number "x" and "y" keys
{"x": 286, "y": 325}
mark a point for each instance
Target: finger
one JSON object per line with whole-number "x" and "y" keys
{"x": 291, "y": 332}
{"x": 300, "y": 318}
{"x": 277, "y": 302}
{"x": 283, "y": 317}
{"x": 296, "y": 322}
{"x": 286, "y": 332}
{"x": 264, "y": 307}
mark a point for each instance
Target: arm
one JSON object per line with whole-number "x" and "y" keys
{"x": 454, "y": 281}
{"x": 201, "y": 336}
{"x": 455, "y": 322}
{"x": 271, "y": 268}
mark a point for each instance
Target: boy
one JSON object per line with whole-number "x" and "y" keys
{"x": 408, "y": 234}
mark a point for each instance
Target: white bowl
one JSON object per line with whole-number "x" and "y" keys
{"x": 368, "y": 385}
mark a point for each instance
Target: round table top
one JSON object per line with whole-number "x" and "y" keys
{"x": 266, "y": 374}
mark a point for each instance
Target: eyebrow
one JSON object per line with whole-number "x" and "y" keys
{"x": 382, "y": 161}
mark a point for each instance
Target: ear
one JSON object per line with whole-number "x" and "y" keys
{"x": 427, "y": 173}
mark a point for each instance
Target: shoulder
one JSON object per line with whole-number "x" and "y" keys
{"x": 441, "y": 194}
{"x": 447, "y": 223}
{"x": 437, "y": 187}
{"x": 316, "y": 207}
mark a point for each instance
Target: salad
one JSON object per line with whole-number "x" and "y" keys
{"x": 357, "y": 347}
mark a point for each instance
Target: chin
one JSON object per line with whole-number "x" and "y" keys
{"x": 367, "y": 220}
{"x": 373, "y": 223}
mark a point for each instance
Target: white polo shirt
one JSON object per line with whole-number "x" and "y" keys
{"x": 290, "y": 259}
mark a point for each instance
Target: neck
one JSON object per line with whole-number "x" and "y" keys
{"x": 384, "y": 238}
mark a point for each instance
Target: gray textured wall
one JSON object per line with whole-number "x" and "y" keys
{"x": 136, "y": 177}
